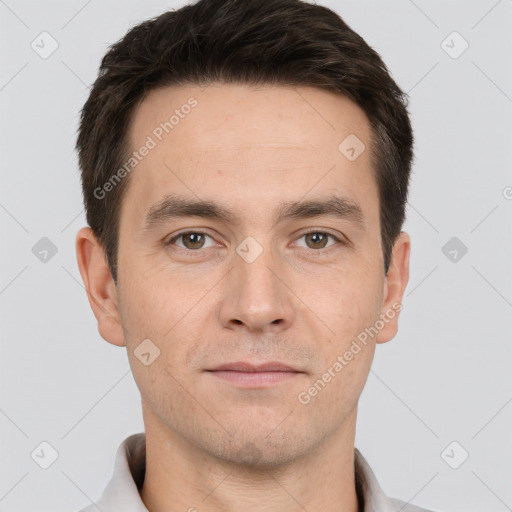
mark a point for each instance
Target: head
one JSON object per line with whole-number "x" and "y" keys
{"x": 245, "y": 168}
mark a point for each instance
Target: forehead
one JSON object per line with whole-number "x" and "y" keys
{"x": 243, "y": 141}
{"x": 266, "y": 114}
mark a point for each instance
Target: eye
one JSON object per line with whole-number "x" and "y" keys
{"x": 192, "y": 240}
{"x": 318, "y": 239}
{"x": 195, "y": 240}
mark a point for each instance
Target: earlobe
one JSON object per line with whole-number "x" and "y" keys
{"x": 100, "y": 287}
{"x": 394, "y": 286}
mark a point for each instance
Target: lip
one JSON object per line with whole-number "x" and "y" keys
{"x": 249, "y": 375}
{"x": 242, "y": 366}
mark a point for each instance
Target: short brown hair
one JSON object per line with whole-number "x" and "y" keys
{"x": 274, "y": 42}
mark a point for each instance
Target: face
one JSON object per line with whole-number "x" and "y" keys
{"x": 282, "y": 266}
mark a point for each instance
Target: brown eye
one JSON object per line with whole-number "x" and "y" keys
{"x": 192, "y": 240}
{"x": 316, "y": 240}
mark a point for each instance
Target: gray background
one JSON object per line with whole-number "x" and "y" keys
{"x": 445, "y": 377}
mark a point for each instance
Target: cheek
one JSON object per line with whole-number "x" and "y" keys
{"x": 349, "y": 302}
{"x": 169, "y": 313}
{"x": 350, "y": 308}
{"x": 154, "y": 305}
{"x": 170, "y": 334}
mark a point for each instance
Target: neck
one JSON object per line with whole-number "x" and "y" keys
{"x": 181, "y": 477}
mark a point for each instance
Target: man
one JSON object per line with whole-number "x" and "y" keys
{"x": 245, "y": 167}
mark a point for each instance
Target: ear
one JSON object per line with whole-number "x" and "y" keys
{"x": 100, "y": 287}
{"x": 394, "y": 286}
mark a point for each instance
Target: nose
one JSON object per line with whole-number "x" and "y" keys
{"x": 256, "y": 297}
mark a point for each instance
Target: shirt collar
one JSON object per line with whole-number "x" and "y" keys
{"x": 122, "y": 491}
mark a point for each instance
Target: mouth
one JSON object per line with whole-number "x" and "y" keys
{"x": 248, "y": 375}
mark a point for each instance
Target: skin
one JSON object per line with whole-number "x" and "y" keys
{"x": 212, "y": 445}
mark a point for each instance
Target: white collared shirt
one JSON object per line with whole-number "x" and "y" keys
{"x": 122, "y": 491}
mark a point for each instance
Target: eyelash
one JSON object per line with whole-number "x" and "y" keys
{"x": 316, "y": 231}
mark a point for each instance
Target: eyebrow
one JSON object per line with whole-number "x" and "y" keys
{"x": 174, "y": 206}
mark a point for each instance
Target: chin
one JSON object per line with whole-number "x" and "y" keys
{"x": 257, "y": 450}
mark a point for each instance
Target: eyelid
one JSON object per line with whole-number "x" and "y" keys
{"x": 337, "y": 237}
{"x": 321, "y": 230}
{"x": 170, "y": 240}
